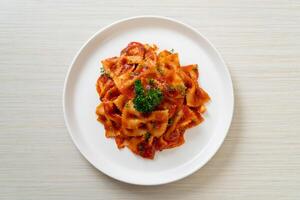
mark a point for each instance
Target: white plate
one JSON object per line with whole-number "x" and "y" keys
{"x": 80, "y": 100}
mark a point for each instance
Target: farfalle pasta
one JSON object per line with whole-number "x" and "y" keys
{"x": 148, "y": 100}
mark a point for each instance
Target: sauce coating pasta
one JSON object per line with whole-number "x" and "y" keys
{"x": 148, "y": 100}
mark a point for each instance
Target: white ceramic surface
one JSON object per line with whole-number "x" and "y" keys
{"x": 80, "y": 100}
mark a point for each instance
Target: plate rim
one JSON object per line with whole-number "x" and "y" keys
{"x": 228, "y": 76}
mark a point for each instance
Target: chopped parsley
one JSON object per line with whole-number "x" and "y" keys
{"x": 151, "y": 82}
{"x": 147, "y": 136}
{"x": 103, "y": 72}
{"x": 170, "y": 121}
{"x": 146, "y": 101}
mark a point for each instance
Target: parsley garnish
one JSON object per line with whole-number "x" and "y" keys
{"x": 147, "y": 136}
{"x": 146, "y": 101}
{"x": 170, "y": 121}
{"x": 103, "y": 72}
{"x": 151, "y": 82}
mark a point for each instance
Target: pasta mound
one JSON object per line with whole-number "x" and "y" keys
{"x": 148, "y": 100}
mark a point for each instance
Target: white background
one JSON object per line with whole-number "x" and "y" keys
{"x": 259, "y": 40}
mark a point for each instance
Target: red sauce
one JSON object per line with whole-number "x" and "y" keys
{"x": 145, "y": 150}
{"x": 134, "y": 49}
{"x": 129, "y": 92}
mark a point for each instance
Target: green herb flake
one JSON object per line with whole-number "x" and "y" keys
{"x": 146, "y": 101}
{"x": 147, "y": 136}
{"x": 138, "y": 87}
{"x": 151, "y": 82}
{"x": 102, "y": 70}
{"x": 170, "y": 121}
{"x": 172, "y": 50}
